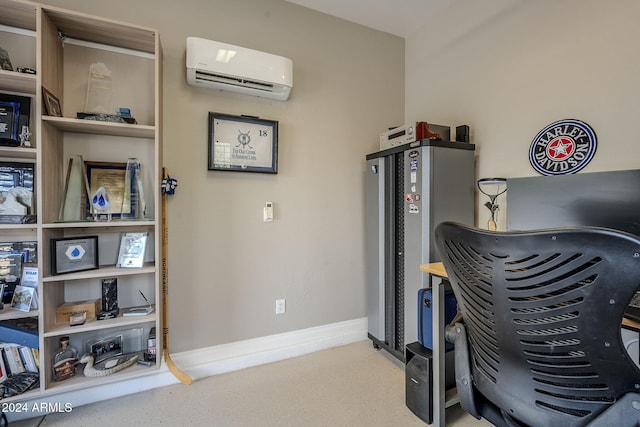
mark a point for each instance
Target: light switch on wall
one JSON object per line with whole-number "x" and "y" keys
{"x": 267, "y": 212}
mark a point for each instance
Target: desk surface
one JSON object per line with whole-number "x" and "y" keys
{"x": 437, "y": 269}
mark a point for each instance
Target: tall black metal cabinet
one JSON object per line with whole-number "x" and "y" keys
{"x": 410, "y": 189}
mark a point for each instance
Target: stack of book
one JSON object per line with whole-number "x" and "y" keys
{"x": 17, "y": 359}
{"x": 19, "y": 347}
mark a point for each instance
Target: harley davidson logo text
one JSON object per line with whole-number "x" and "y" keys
{"x": 563, "y": 147}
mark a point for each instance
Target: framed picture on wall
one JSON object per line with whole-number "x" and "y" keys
{"x": 242, "y": 143}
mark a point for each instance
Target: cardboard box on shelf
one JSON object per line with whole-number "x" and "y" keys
{"x": 64, "y": 311}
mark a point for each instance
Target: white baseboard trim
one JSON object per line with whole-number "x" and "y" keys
{"x": 205, "y": 362}
{"x": 223, "y": 358}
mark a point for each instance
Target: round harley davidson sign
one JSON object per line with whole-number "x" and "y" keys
{"x": 563, "y": 147}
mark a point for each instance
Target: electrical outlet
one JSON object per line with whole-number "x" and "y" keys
{"x": 280, "y": 306}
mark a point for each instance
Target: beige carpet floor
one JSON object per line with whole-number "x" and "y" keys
{"x": 352, "y": 385}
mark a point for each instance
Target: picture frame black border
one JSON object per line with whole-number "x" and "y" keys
{"x": 273, "y": 169}
{"x": 55, "y": 271}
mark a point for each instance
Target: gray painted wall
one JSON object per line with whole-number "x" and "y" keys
{"x": 227, "y": 267}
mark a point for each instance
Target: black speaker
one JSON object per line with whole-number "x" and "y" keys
{"x": 462, "y": 133}
{"x": 419, "y": 379}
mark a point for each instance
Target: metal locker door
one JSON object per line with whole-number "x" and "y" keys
{"x": 375, "y": 246}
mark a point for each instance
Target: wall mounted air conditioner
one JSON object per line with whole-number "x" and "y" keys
{"x": 231, "y": 68}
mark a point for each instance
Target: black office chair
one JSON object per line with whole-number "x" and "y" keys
{"x": 540, "y": 341}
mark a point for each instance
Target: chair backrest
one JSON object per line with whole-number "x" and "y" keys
{"x": 543, "y": 311}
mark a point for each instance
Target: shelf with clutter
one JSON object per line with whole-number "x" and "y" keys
{"x": 49, "y": 58}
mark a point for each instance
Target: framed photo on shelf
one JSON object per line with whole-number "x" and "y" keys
{"x": 105, "y": 348}
{"x": 113, "y": 177}
{"x": 51, "y": 104}
{"x": 22, "y": 297}
{"x": 242, "y": 143}
{"x": 71, "y": 254}
{"x": 132, "y": 250}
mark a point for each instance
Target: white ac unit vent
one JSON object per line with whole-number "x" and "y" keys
{"x": 231, "y": 68}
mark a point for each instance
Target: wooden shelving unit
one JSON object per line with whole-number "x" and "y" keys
{"x": 134, "y": 55}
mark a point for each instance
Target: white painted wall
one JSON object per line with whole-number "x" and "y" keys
{"x": 508, "y": 68}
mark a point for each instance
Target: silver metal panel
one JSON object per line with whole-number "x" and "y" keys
{"x": 375, "y": 246}
{"x": 416, "y": 207}
{"x": 415, "y": 187}
{"x": 440, "y": 186}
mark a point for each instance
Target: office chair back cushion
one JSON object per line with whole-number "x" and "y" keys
{"x": 543, "y": 312}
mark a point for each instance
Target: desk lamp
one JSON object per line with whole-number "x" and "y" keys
{"x": 491, "y": 187}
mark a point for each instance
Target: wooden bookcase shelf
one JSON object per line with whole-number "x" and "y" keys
{"x": 100, "y": 128}
{"x": 103, "y": 272}
{"x": 18, "y": 82}
{"x": 134, "y": 54}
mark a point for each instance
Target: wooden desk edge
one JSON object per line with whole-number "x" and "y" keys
{"x": 437, "y": 269}
{"x": 630, "y": 324}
